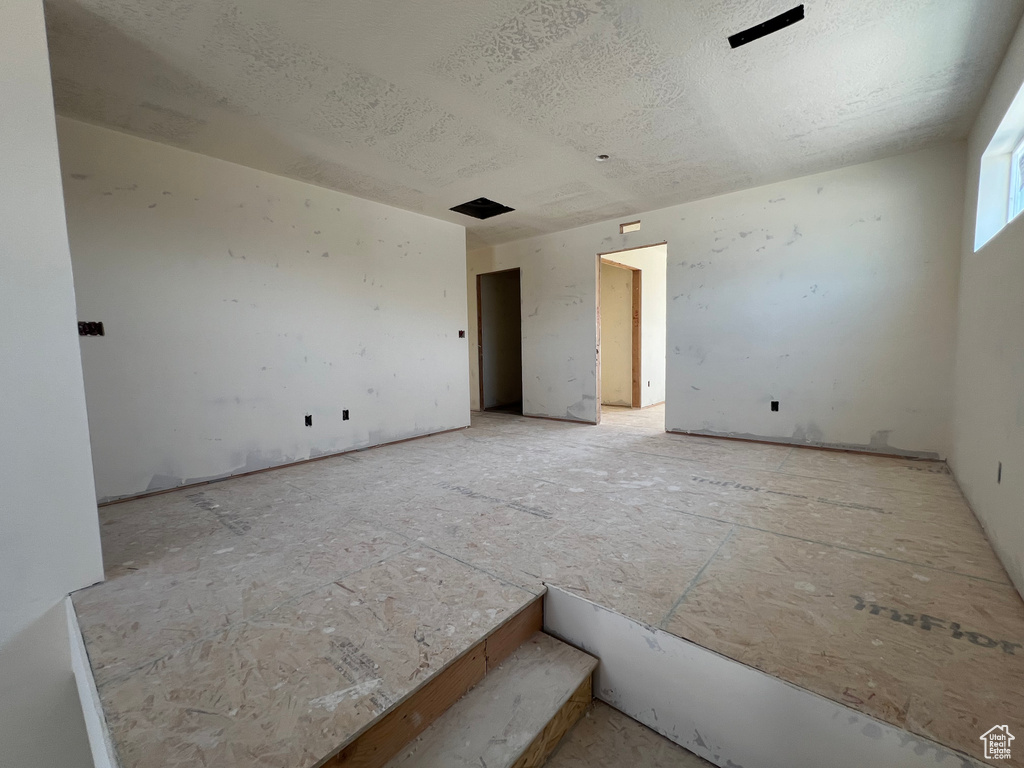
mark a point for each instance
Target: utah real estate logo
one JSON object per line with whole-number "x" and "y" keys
{"x": 997, "y": 742}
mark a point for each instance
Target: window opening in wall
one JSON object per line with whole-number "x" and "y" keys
{"x": 1016, "y": 180}
{"x": 1001, "y": 175}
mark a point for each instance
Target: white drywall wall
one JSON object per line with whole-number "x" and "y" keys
{"x": 49, "y": 533}
{"x": 653, "y": 266}
{"x": 833, "y": 293}
{"x": 559, "y": 300}
{"x": 236, "y": 302}
{"x": 616, "y": 335}
{"x": 502, "y": 348}
{"x": 988, "y": 425}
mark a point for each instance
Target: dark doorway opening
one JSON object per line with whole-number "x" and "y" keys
{"x": 500, "y": 324}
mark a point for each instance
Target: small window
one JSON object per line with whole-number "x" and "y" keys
{"x": 1016, "y": 181}
{"x": 1001, "y": 175}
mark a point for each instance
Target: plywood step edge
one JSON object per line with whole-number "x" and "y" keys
{"x": 515, "y": 717}
{"x": 101, "y": 745}
{"x": 385, "y": 737}
{"x": 558, "y": 727}
{"x": 724, "y": 711}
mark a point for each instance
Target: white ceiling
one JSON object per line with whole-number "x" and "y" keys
{"x": 424, "y": 105}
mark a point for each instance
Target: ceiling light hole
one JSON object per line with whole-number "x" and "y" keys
{"x": 482, "y": 208}
{"x": 602, "y": 158}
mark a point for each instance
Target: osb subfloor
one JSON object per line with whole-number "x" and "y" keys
{"x": 265, "y": 620}
{"x": 606, "y": 738}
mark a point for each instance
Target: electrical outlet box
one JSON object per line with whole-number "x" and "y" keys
{"x": 344, "y": 415}
{"x": 90, "y": 329}
{"x": 775, "y": 406}
{"x": 309, "y": 420}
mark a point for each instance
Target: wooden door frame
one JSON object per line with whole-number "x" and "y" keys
{"x": 636, "y": 307}
{"x": 602, "y": 258}
{"x": 480, "y": 329}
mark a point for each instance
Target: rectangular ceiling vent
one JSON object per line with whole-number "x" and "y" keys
{"x": 482, "y": 208}
{"x": 781, "y": 21}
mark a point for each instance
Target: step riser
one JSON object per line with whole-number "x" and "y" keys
{"x": 515, "y": 717}
{"x": 540, "y": 750}
{"x": 724, "y": 711}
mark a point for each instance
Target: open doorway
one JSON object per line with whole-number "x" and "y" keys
{"x": 621, "y": 339}
{"x": 500, "y": 348}
{"x": 632, "y": 306}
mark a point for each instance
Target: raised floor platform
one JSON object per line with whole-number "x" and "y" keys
{"x": 266, "y": 620}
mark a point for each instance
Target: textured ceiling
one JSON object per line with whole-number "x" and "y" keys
{"x": 424, "y": 105}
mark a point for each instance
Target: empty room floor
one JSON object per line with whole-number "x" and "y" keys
{"x": 266, "y": 620}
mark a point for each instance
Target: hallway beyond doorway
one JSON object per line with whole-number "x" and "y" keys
{"x": 647, "y": 419}
{"x": 632, "y": 304}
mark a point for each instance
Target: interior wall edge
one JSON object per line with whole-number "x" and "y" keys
{"x": 987, "y": 453}
{"x": 49, "y": 530}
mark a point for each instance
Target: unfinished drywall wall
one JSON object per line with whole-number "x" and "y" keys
{"x": 559, "y": 303}
{"x": 653, "y": 265}
{"x": 834, "y": 294}
{"x": 49, "y": 533}
{"x": 236, "y": 303}
{"x": 502, "y": 354}
{"x": 616, "y": 335}
{"x": 988, "y": 424}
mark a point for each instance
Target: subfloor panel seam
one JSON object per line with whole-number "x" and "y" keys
{"x": 750, "y": 468}
{"x": 694, "y": 580}
{"x": 494, "y": 576}
{"x": 836, "y": 546}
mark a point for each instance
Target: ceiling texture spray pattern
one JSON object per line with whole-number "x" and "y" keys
{"x": 427, "y": 105}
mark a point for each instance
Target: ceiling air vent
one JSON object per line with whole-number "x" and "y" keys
{"x": 482, "y": 208}
{"x": 781, "y": 21}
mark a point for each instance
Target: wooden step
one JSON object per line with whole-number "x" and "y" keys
{"x": 515, "y": 717}
{"x": 388, "y": 735}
